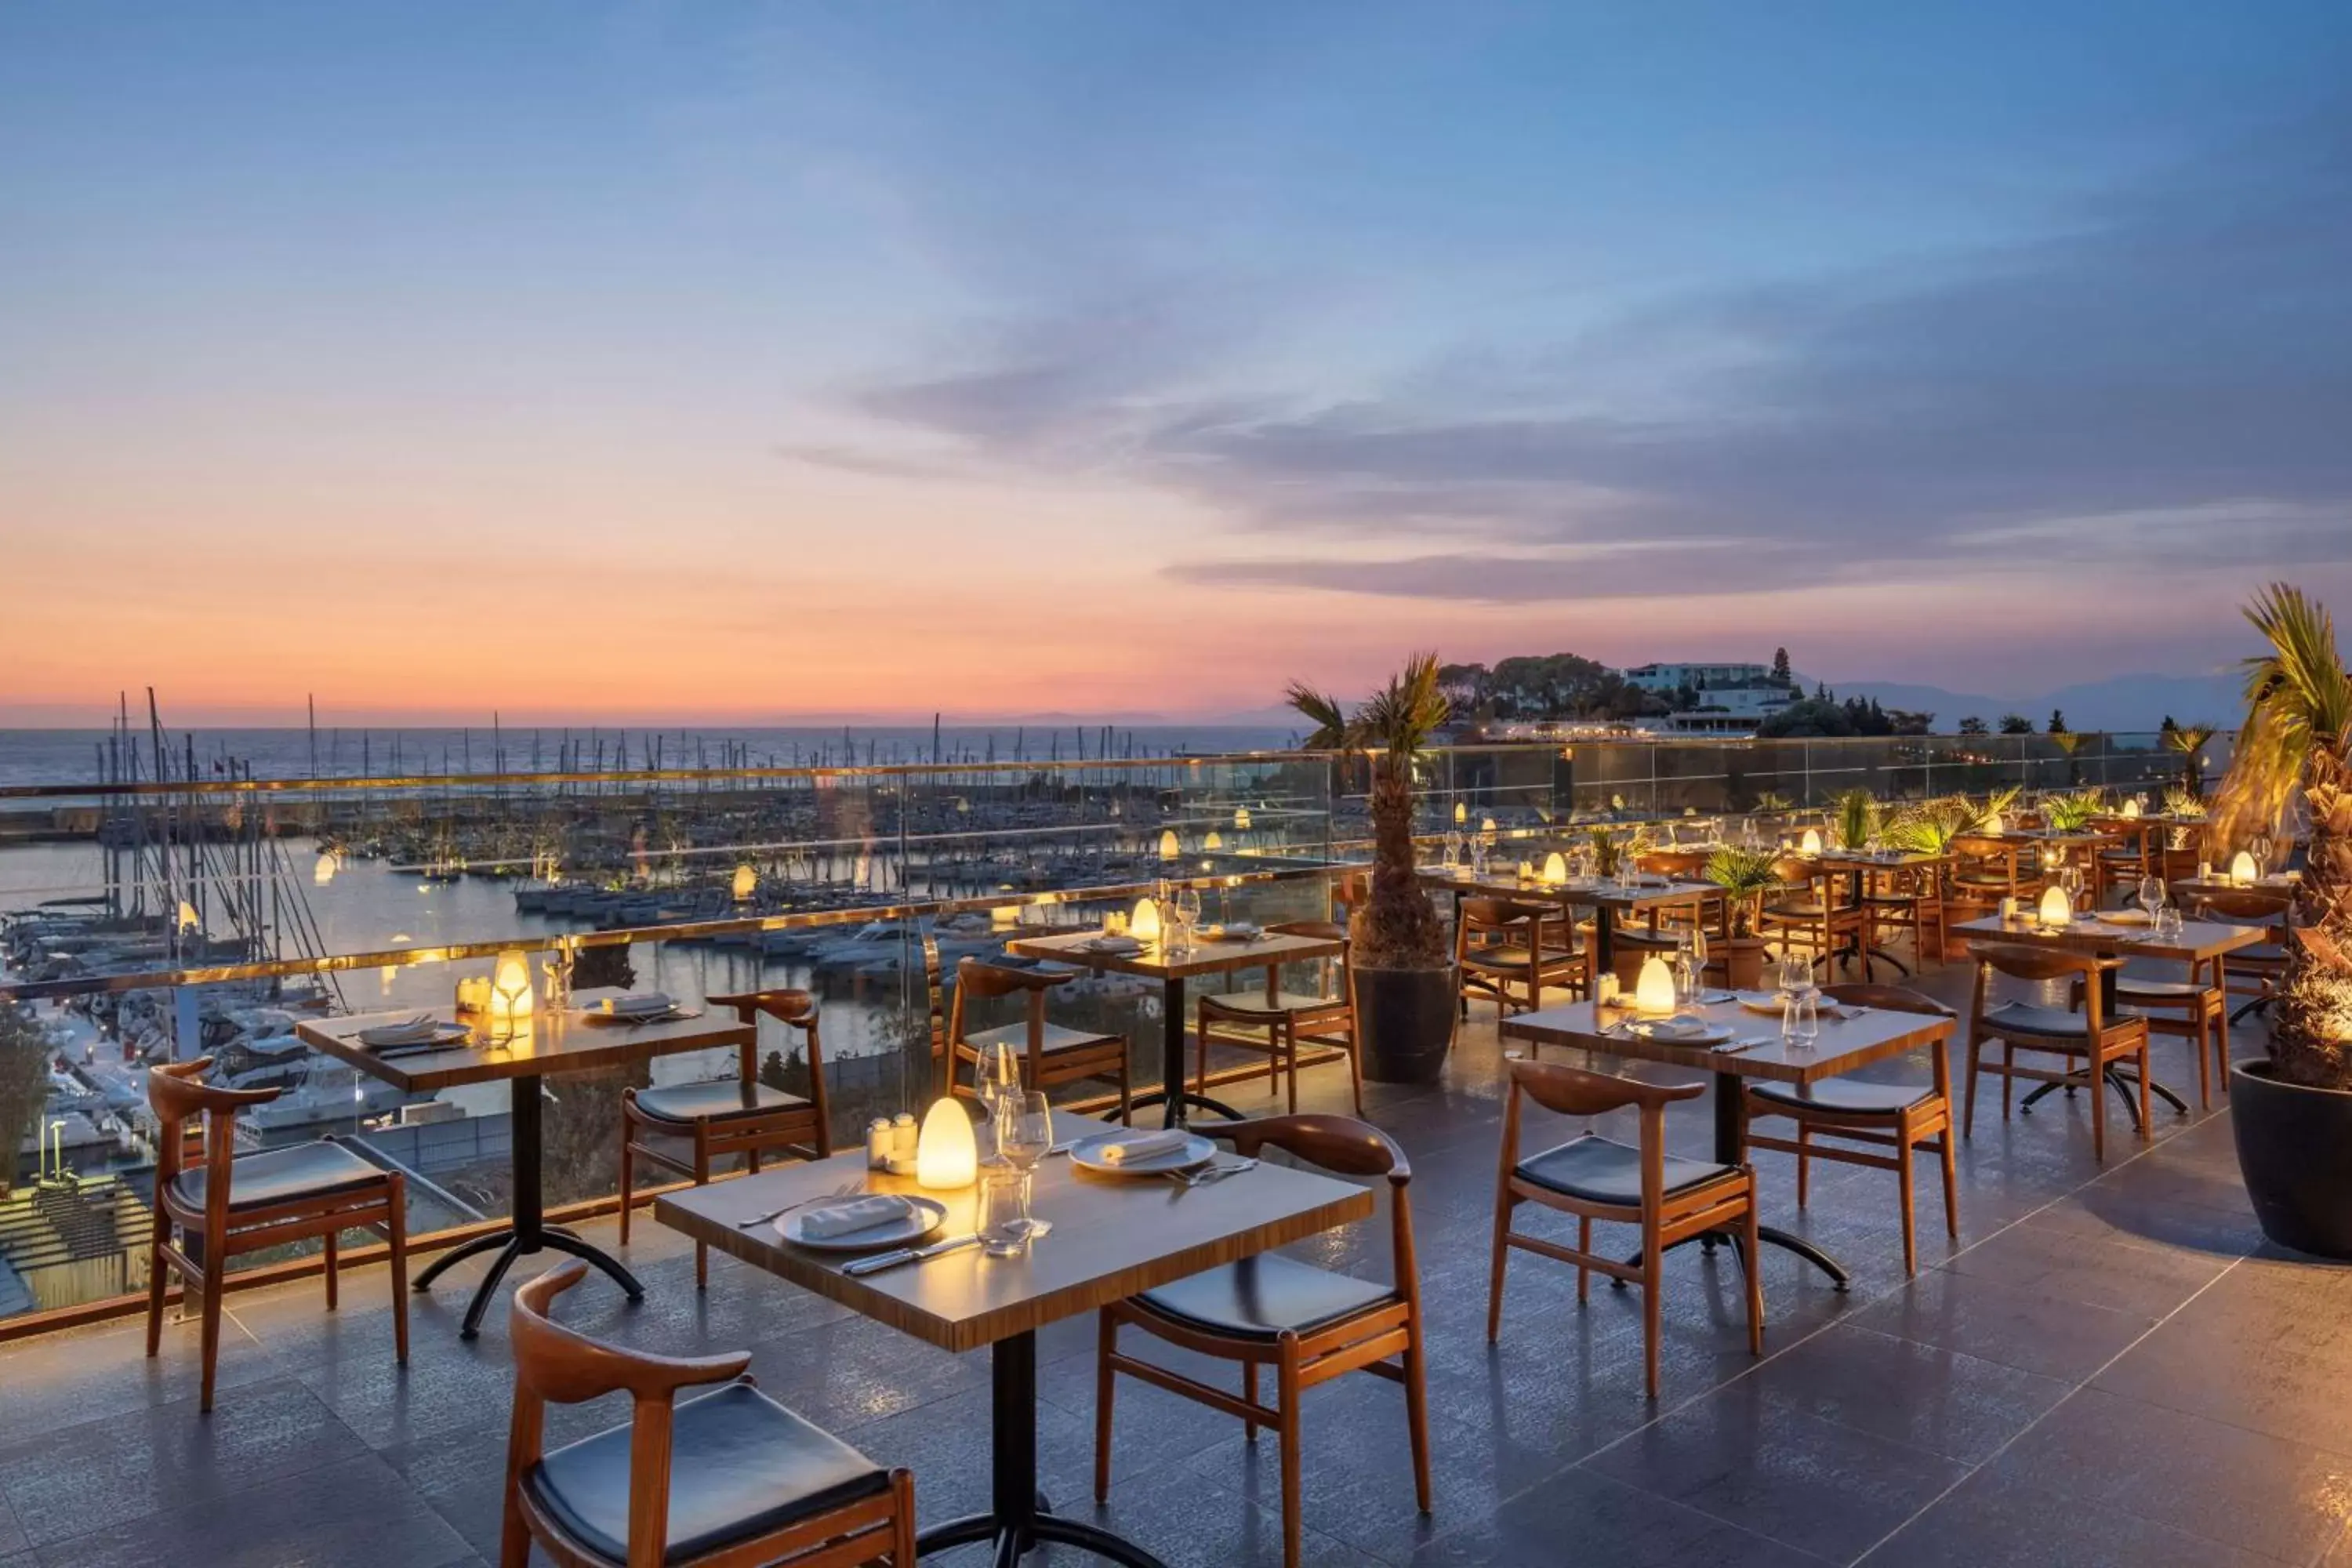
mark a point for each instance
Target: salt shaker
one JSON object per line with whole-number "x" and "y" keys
{"x": 904, "y": 1136}
{"x": 879, "y": 1144}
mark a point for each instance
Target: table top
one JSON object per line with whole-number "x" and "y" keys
{"x": 554, "y": 1042}
{"x": 1862, "y": 1037}
{"x": 1596, "y": 892}
{"x": 1160, "y": 963}
{"x": 1113, "y": 1237}
{"x": 1877, "y": 861}
{"x": 2279, "y": 884}
{"x": 2199, "y": 940}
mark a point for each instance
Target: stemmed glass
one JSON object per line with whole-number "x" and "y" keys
{"x": 2151, "y": 895}
{"x": 1685, "y": 970}
{"x": 1188, "y": 915}
{"x": 1796, "y": 973}
{"x": 1027, "y": 1137}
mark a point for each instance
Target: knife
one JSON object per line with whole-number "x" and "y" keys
{"x": 879, "y": 1261}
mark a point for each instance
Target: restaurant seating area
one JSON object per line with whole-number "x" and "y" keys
{"x": 2104, "y": 1363}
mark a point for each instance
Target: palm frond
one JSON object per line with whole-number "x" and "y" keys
{"x": 2298, "y": 700}
{"x": 1332, "y": 732}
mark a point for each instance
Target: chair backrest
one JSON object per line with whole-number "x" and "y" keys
{"x": 1504, "y": 917}
{"x": 1674, "y": 862}
{"x": 178, "y": 1096}
{"x": 2244, "y": 908}
{"x": 1890, "y": 998}
{"x": 2023, "y": 963}
{"x": 935, "y": 988}
{"x": 976, "y": 977}
{"x": 1321, "y": 930}
{"x": 798, "y": 1009}
{"x": 1574, "y": 1091}
{"x": 555, "y": 1363}
{"x": 1345, "y": 1146}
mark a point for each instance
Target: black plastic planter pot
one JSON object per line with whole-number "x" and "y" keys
{"x": 2294, "y": 1149}
{"x": 1404, "y": 1023}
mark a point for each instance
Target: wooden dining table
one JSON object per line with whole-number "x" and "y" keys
{"x": 550, "y": 1043}
{"x": 1609, "y": 901}
{"x": 2200, "y": 942}
{"x": 1112, "y": 1237}
{"x": 1172, "y": 966}
{"x": 1861, "y": 1036}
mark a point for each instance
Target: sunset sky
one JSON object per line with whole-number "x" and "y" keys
{"x": 751, "y": 361}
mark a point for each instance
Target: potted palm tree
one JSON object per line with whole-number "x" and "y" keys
{"x": 2291, "y": 1112}
{"x": 1745, "y": 875}
{"x": 1853, "y": 818}
{"x": 2189, "y": 740}
{"x": 1402, "y": 971}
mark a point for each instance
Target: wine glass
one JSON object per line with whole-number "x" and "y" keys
{"x": 1698, "y": 961}
{"x": 1027, "y": 1137}
{"x": 1685, "y": 970}
{"x": 1796, "y": 973}
{"x": 2151, "y": 895}
{"x": 1188, "y": 914}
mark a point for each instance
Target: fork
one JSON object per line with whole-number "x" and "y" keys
{"x": 846, "y": 1189}
{"x": 1189, "y": 1179}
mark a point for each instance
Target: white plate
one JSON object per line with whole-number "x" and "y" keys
{"x": 929, "y": 1216}
{"x": 1197, "y": 1151}
{"x": 650, "y": 1003}
{"x": 1713, "y": 996}
{"x": 1761, "y": 1001}
{"x": 1234, "y": 933}
{"x": 1112, "y": 946}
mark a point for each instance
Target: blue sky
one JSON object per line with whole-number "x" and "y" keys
{"x": 900, "y": 356}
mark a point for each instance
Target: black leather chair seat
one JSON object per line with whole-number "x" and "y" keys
{"x": 1259, "y": 1296}
{"x": 1603, "y": 1170}
{"x": 742, "y": 1465}
{"x": 1254, "y": 1003}
{"x": 1515, "y": 960}
{"x": 2022, "y": 1020}
{"x": 1057, "y": 1039}
{"x": 280, "y": 1175}
{"x": 2260, "y": 953}
{"x": 1842, "y": 1094}
{"x": 1795, "y": 912}
{"x": 715, "y": 1100}
{"x": 2177, "y": 992}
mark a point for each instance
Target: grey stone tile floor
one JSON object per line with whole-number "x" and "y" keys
{"x": 2109, "y": 1366}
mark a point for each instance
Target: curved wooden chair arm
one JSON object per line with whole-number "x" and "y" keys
{"x": 1339, "y": 1143}
{"x": 2023, "y": 963}
{"x": 1573, "y": 1091}
{"x": 555, "y": 1362}
{"x": 2253, "y": 909}
{"x": 786, "y": 1005}
{"x": 978, "y": 977}
{"x": 175, "y": 1092}
{"x": 1502, "y": 912}
{"x": 1890, "y": 998}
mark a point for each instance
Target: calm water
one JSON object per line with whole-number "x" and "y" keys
{"x": 75, "y": 756}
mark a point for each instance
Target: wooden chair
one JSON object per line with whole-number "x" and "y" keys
{"x": 2127, "y": 853}
{"x": 1500, "y": 943}
{"x": 728, "y": 1480}
{"x": 935, "y": 991}
{"x": 729, "y": 1116}
{"x": 1309, "y": 1324}
{"x": 1904, "y": 900}
{"x": 1289, "y": 1018}
{"x": 225, "y": 1203}
{"x": 2094, "y": 1040}
{"x": 1596, "y": 1178}
{"x": 1050, "y": 1054}
{"x": 1986, "y": 870}
{"x": 1709, "y": 912}
{"x": 1901, "y": 1117}
{"x": 1812, "y": 916}
{"x": 2197, "y": 1009}
{"x": 2253, "y": 972}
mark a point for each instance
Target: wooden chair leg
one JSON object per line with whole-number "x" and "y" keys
{"x": 1290, "y": 1062}
{"x": 1904, "y": 1180}
{"x": 212, "y": 1323}
{"x": 1804, "y": 1162}
{"x": 627, "y": 1191}
{"x": 1650, "y": 1281}
{"x": 514, "y": 1535}
{"x": 331, "y": 1271}
{"x": 1751, "y": 1259}
{"x": 1356, "y": 1067}
{"x": 1249, "y": 1394}
{"x": 1416, "y": 1406}
{"x": 1583, "y": 1274}
{"x": 2007, "y": 1074}
{"x": 1968, "y": 1111}
{"x": 1951, "y": 1157}
{"x": 2146, "y": 1103}
{"x": 158, "y": 1281}
{"x": 1200, "y": 1054}
{"x": 1503, "y": 1206}
{"x": 396, "y": 1235}
{"x": 2098, "y": 1109}
{"x": 1106, "y": 1342}
{"x": 1287, "y": 1401}
{"x": 701, "y": 1179}
{"x": 902, "y": 1527}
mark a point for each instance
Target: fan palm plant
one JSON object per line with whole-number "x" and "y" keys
{"x": 2298, "y": 735}
{"x": 1745, "y": 875}
{"x": 2188, "y": 740}
{"x": 2071, "y": 813}
{"x": 1396, "y": 928}
{"x": 1853, "y": 814}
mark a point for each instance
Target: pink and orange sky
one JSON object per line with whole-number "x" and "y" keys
{"x": 616, "y": 363}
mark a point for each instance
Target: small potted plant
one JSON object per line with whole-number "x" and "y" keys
{"x": 1746, "y": 875}
{"x": 1401, "y": 968}
{"x": 2291, "y": 1112}
{"x": 1853, "y": 818}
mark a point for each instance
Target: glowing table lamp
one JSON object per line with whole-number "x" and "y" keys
{"x": 747, "y": 881}
{"x": 1653, "y": 991}
{"x": 1143, "y": 924}
{"x": 1215, "y": 840}
{"x": 511, "y": 995}
{"x": 2057, "y": 908}
{"x": 1241, "y": 817}
{"x": 946, "y": 1153}
{"x": 2131, "y": 808}
{"x": 2242, "y": 870}
{"x": 1811, "y": 843}
{"x": 1461, "y": 813}
{"x": 1555, "y": 869}
{"x": 1168, "y": 847}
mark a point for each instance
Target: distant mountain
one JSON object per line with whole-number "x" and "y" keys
{"x": 2118, "y": 702}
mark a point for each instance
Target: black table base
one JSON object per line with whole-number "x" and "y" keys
{"x": 2124, "y": 1080}
{"x": 529, "y": 1231}
{"x": 1727, "y": 1090}
{"x": 1171, "y": 1091}
{"x": 1018, "y": 1520}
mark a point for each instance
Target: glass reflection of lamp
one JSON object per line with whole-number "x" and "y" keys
{"x": 1169, "y": 846}
{"x": 747, "y": 881}
{"x": 1241, "y": 817}
{"x": 1811, "y": 842}
{"x": 947, "y": 1155}
{"x": 1461, "y": 813}
{"x": 511, "y": 995}
{"x": 2243, "y": 871}
{"x": 1555, "y": 869}
{"x": 1004, "y": 917}
{"x": 2057, "y": 908}
{"x": 1654, "y": 991}
{"x": 1485, "y": 825}
{"x": 187, "y": 916}
{"x": 324, "y": 872}
{"x": 1143, "y": 924}
{"x": 2131, "y": 808}
{"x": 1215, "y": 840}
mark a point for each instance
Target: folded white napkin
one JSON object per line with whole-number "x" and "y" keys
{"x": 1131, "y": 1146}
{"x": 408, "y": 1031}
{"x": 640, "y": 1002}
{"x": 1115, "y": 945}
{"x": 859, "y": 1214}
